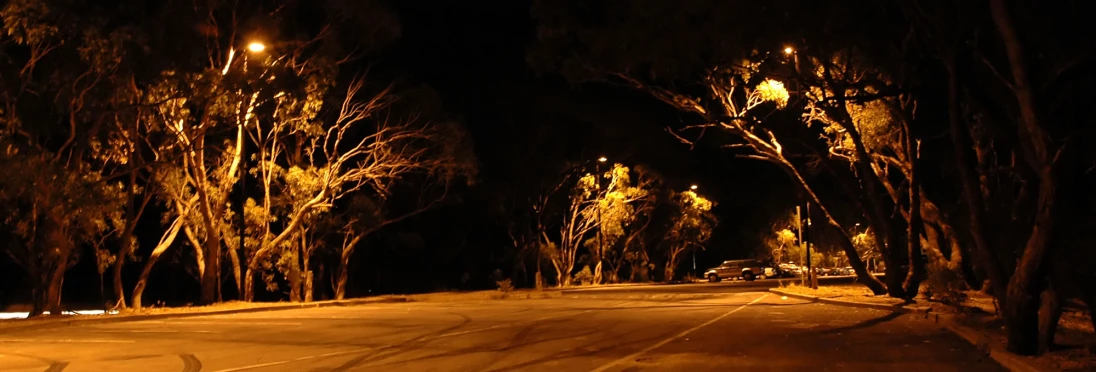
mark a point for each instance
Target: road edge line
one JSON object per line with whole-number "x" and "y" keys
{"x": 109, "y": 319}
{"x": 900, "y": 308}
{"x": 675, "y": 337}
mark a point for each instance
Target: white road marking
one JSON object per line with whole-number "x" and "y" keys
{"x": 280, "y": 362}
{"x": 225, "y": 322}
{"x": 149, "y": 331}
{"x": 67, "y": 341}
{"x": 675, "y": 337}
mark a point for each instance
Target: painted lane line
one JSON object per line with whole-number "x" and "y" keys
{"x": 222, "y": 323}
{"x": 67, "y": 341}
{"x": 675, "y": 337}
{"x": 280, "y": 362}
{"x": 148, "y": 331}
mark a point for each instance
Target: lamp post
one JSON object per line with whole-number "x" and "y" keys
{"x": 693, "y": 188}
{"x": 253, "y": 47}
{"x": 600, "y": 239}
{"x": 812, "y": 280}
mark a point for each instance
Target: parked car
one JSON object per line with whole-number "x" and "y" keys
{"x": 748, "y": 270}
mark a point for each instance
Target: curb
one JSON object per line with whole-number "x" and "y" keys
{"x": 996, "y": 351}
{"x": 895, "y": 308}
{"x": 134, "y": 318}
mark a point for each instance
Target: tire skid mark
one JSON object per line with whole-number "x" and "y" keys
{"x": 57, "y": 367}
{"x": 190, "y": 363}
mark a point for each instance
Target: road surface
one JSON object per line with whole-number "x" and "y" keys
{"x": 588, "y": 331}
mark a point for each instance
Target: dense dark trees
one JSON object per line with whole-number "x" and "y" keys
{"x": 869, "y": 87}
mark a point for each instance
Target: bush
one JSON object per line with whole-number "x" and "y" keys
{"x": 584, "y": 277}
{"x": 944, "y": 285}
{"x": 505, "y": 286}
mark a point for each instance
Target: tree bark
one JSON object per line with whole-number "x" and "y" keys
{"x": 916, "y": 273}
{"x": 165, "y": 243}
{"x": 344, "y": 266}
{"x": 1050, "y": 311}
{"x": 249, "y": 285}
{"x": 60, "y": 241}
{"x": 1024, "y": 288}
{"x": 971, "y": 188}
{"x": 886, "y": 236}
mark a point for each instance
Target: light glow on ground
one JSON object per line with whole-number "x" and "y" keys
{"x": 77, "y": 312}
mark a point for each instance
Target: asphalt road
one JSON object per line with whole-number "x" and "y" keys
{"x": 748, "y": 330}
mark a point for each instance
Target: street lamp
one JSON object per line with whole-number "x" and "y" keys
{"x": 693, "y": 187}
{"x": 602, "y": 159}
{"x": 256, "y": 47}
{"x": 789, "y": 50}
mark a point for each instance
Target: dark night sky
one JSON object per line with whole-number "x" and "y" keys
{"x": 473, "y": 53}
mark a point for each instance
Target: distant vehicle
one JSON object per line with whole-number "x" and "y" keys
{"x": 748, "y": 270}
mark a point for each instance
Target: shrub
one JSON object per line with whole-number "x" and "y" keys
{"x": 584, "y": 277}
{"x": 945, "y": 285}
{"x": 505, "y": 286}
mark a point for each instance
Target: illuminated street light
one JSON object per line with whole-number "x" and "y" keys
{"x": 256, "y": 47}
{"x": 602, "y": 159}
{"x": 693, "y": 187}
{"x": 788, "y": 50}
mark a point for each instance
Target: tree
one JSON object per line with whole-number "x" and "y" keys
{"x": 360, "y": 149}
{"x": 632, "y": 248}
{"x": 55, "y": 69}
{"x": 1014, "y": 180}
{"x": 731, "y": 94}
{"x": 780, "y": 241}
{"x": 615, "y": 209}
{"x": 693, "y": 223}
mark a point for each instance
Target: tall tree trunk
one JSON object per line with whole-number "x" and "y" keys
{"x": 56, "y": 282}
{"x": 165, "y": 242}
{"x": 971, "y": 188}
{"x": 210, "y": 212}
{"x": 59, "y": 239}
{"x": 235, "y": 260}
{"x": 1050, "y": 312}
{"x": 249, "y": 285}
{"x": 116, "y": 270}
{"x": 134, "y": 209}
{"x": 306, "y": 273}
{"x": 886, "y": 234}
{"x": 142, "y": 281}
{"x": 917, "y": 263}
{"x": 344, "y": 267}
{"x": 1021, "y": 310}
{"x": 1024, "y": 288}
